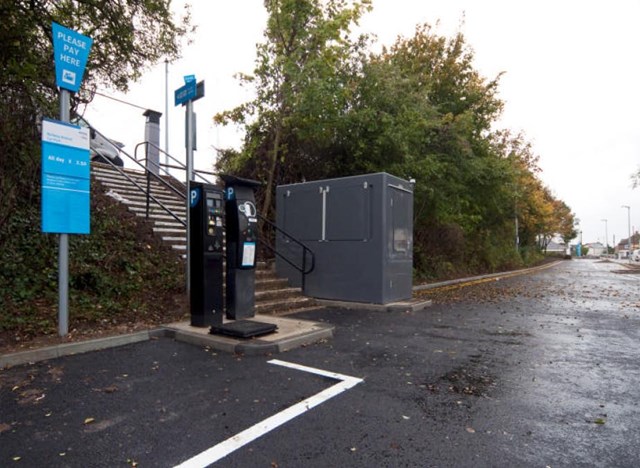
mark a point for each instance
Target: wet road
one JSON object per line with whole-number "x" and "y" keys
{"x": 535, "y": 370}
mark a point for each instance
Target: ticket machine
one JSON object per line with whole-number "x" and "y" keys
{"x": 207, "y": 254}
{"x": 241, "y": 222}
{"x": 242, "y": 238}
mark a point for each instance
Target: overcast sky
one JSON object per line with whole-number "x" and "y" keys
{"x": 571, "y": 84}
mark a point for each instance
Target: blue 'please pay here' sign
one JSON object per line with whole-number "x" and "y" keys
{"x": 71, "y": 50}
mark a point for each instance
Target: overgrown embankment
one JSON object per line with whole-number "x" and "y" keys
{"x": 120, "y": 276}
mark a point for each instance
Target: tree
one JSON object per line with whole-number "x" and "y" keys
{"x": 129, "y": 36}
{"x": 300, "y": 79}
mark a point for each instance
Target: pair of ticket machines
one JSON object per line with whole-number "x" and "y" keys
{"x": 223, "y": 238}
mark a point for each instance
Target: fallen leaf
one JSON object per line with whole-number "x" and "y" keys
{"x": 4, "y": 427}
{"x": 89, "y": 420}
{"x": 599, "y": 421}
{"x": 16, "y": 458}
{"x": 471, "y": 430}
{"x": 405, "y": 417}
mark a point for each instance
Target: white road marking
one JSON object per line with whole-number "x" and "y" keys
{"x": 241, "y": 439}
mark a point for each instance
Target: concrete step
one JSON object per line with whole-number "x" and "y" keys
{"x": 141, "y": 200}
{"x": 159, "y": 217}
{"x": 130, "y": 190}
{"x": 309, "y": 308}
{"x": 278, "y": 307}
{"x": 104, "y": 171}
{"x": 267, "y": 284}
{"x": 156, "y": 209}
{"x": 180, "y": 240}
{"x": 281, "y": 294}
{"x": 170, "y": 224}
{"x": 162, "y": 231}
{"x": 264, "y": 273}
{"x": 124, "y": 182}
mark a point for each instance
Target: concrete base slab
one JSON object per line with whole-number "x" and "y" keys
{"x": 292, "y": 333}
{"x": 412, "y": 305}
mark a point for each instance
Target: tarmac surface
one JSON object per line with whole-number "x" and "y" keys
{"x": 533, "y": 370}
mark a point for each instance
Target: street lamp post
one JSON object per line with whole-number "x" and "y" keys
{"x": 629, "y": 229}
{"x": 166, "y": 112}
{"x": 606, "y": 236}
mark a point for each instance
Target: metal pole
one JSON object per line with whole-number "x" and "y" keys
{"x": 189, "y": 124}
{"x": 606, "y": 237}
{"x": 63, "y": 250}
{"x": 515, "y": 215}
{"x": 629, "y": 230}
{"x": 166, "y": 111}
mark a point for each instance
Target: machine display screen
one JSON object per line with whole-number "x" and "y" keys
{"x": 213, "y": 202}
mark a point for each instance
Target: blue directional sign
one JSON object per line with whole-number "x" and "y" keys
{"x": 65, "y": 178}
{"x": 185, "y": 93}
{"x": 71, "y": 50}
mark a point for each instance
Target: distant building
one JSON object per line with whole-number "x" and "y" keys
{"x": 622, "y": 249}
{"x": 556, "y": 247}
{"x": 596, "y": 249}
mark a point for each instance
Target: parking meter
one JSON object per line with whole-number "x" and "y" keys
{"x": 242, "y": 240}
{"x": 207, "y": 254}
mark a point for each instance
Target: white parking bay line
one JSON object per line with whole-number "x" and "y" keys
{"x": 241, "y": 439}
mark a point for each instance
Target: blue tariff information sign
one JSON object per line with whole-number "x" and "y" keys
{"x": 71, "y": 50}
{"x": 65, "y": 178}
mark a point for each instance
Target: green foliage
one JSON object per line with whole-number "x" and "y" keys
{"x": 302, "y": 77}
{"x": 118, "y": 268}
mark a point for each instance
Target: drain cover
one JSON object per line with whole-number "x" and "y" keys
{"x": 243, "y": 329}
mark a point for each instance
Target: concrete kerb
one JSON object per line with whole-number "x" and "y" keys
{"x": 66, "y": 349}
{"x": 402, "y": 306}
{"x": 300, "y": 333}
{"x": 483, "y": 278}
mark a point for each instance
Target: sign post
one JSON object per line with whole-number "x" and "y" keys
{"x": 71, "y": 51}
{"x": 185, "y": 95}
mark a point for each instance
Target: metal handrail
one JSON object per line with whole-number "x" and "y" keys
{"x": 180, "y": 166}
{"x": 302, "y": 269}
{"x": 149, "y": 174}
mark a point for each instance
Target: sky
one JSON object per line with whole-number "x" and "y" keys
{"x": 571, "y": 84}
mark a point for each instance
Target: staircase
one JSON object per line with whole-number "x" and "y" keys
{"x": 273, "y": 294}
